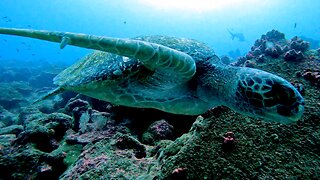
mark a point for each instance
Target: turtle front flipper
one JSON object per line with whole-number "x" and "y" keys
{"x": 52, "y": 93}
{"x": 153, "y": 56}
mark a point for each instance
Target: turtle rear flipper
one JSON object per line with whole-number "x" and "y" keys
{"x": 52, "y": 93}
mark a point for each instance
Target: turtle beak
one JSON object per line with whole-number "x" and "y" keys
{"x": 295, "y": 112}
{"x": 285, "y": 114}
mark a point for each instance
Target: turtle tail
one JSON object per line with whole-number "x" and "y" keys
{"x": 153, "y": 56}
{"x": 54, "y": 92}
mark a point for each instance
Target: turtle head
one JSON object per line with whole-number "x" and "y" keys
{"x": 264, "y": 95}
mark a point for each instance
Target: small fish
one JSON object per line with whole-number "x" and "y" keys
{"x": 295, "y": 25}
{"x": 29, "y": 26}
{"x": 5, "y": 17}
{"x": 4, "y": 40}
{"x": 17, "y": 50}
{"x": 124, "y": 22}
{"x": 33, "y": 54}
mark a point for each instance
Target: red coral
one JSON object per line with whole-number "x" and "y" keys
{"x": 179, "y": 173}
{"x": 229, "y": 142}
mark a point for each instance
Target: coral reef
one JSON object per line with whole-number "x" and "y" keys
{"x": 7, "y": 118}
{"x": 225, "y": 60}
{"x": 273, "y": 44}
{"x": 45, "y": 132}
{"x": 273, "y": 36}
{"x": 76, "y": 137}
{"x": 260, "y": 147}
{"x": 269, "y": 44}
{"x": 313, "y": 77}
{"x": 298, "y": 44}
{"x": 157, "y": 131}
{"x": 10, "y": 97}
{"x": 117, "y": 157}
{"x": 13, "y": 129}
{"x": 28, "y": 148}
{"x": 293, "y": 55}
{"x": 22, "y": 82}
{"x": 6, "y": 141}
{"x": 28, "y": 163}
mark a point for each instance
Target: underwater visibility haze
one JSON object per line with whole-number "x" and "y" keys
{"x": 207, "y": 21}
{"x": 160, "y": 89}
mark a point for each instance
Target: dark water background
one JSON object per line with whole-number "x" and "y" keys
{"x": 204, "y": 20}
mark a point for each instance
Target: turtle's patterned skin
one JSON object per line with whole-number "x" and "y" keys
{"x": 126, "y": 81}
{"x": 175, "y": 75}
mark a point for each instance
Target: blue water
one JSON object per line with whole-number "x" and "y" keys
{"x": 129, "y": 18}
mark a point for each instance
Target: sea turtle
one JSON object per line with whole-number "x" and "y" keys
{"x": 175, "y": 75}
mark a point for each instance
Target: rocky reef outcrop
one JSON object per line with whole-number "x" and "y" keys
{"x": 274, "y": 45}
{"x": 22, "y": 82}
{"x": 30, "y": 152}
{"x": 77, "y": 137}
